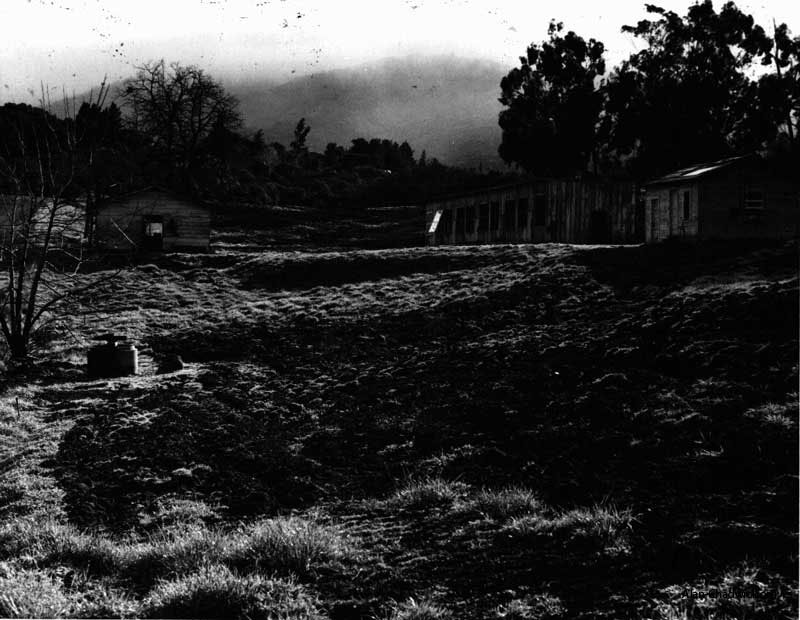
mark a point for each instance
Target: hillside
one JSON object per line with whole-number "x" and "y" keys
{"x": 460, "y": 432}
{"x": 446, "y": 106}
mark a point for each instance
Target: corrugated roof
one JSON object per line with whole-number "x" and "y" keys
{"x": 698, "y": 170}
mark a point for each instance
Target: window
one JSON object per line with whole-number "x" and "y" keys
{"x": 753, "y": 198}
{"x": 522, "y": 213}
{"x": 687, "y": 205}
{"x": 495, "y": 216}
{"x": 483, "y": 221}
{"x": 539, "y": 209}
{"x": 154, "y": 229}
{"x": 435, "y": 223}
{"x": 654, "y": 205}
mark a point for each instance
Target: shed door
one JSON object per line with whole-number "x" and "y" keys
{"x": 153, "y": 238}
{"x": 673, "y": 212}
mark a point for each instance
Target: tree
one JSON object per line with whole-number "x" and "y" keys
{"x": 687, "y": 97}
{"x": 552, "y": 104}
{"x": 45, "y": 165}
{"x": 178, "y": 107}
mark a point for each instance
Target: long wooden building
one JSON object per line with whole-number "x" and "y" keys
{"x": 577, "y": 210}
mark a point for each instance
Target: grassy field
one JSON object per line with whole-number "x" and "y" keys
{"x": 510, "y": 432}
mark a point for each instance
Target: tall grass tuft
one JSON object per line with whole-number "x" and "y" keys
{"x": 428, "y": 493}
{"x": 601, "y": 528}
{"x": 288, "y": 545}
{"x": 217, "y": 592}
{"x": 422, "y": 609}
{"x": 31, "y": 594}
{"x": 503, "y": 504}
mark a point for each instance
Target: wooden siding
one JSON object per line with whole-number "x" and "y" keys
{"x": 718, "y": 208}
{"x": 119, "y": 225}
{"x": 542, "y": 210}
{"x": 666, "y": 219}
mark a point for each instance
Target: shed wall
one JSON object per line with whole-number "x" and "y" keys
{"x": 120, "y": 224}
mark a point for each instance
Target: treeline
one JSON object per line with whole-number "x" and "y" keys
{"x": 703, "y": 86}
{"x": 174, "y": 126}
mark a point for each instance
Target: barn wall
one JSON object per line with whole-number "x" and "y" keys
{"x": 718, "y": 207}
{"x": 667, "y": 218}
{"x": 120, "y": 224}
{"x": 545, "y": 210}
{"x": 726, "y": 215}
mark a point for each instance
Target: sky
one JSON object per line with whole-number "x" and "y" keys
{"x": 70, "y": 45}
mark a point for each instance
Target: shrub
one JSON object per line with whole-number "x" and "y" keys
{"x": 505, "y": 503}
{"x": 216, "y": 592}
{"x": 288, "y": 545}
{"x": 428, "y": 493}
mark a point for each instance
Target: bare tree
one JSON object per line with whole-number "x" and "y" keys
{"x": 45, "y": 163}
{"x": 178, "y": 107}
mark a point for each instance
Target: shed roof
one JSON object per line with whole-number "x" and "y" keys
{"x": 155, "y": 189}
{"x": 699, "y": 170}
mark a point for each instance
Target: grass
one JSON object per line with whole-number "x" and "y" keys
{"x": 216, "y": 592}
{"x": 602, "y": 528}
{"x": 530, "y": 389}
{"x": 428, "y": 493}
{"x": 418, "y": 609}
{"x": 506, "y": 503}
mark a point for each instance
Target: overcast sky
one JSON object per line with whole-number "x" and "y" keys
{"x": 72, "y": 44}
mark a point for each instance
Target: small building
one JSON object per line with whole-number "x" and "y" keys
{"x": 539, "y": 210}
{"x": 150, "y": 220}
{"x": 28, "y": 218}
{"x": 738, "y": 197}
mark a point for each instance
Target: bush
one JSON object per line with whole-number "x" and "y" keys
{"x": 216, "y": 592}
{"x": 428, "y": 493}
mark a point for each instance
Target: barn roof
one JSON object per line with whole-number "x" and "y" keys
{"x": 155, "y": 189}
{"x": 699, "y": 170}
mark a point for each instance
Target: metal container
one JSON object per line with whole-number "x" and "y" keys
{"x": 115, "y": 358}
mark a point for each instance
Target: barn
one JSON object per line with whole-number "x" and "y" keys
{"x": 738, "y": 197}
{"x": 585, "y": 209}
{"x": 150, "y": 220}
